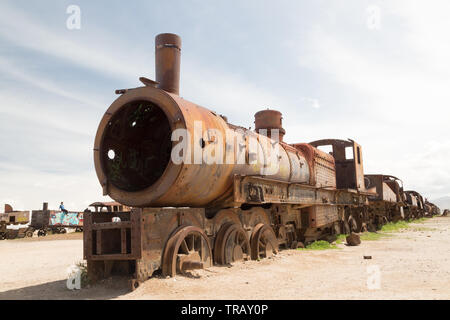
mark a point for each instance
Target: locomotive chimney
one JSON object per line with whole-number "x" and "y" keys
{"x": 167, "y": 64}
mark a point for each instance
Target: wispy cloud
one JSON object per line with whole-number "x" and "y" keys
{"x": 15, "y": 71}
{"x": 22, "y": 29}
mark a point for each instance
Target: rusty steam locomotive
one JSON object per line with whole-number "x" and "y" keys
{"x": 191, "y": 214}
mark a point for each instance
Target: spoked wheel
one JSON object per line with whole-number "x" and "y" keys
{"x": 187, "y": 249}
{"x": 361, "y": 225}
{"x": 264, "y": 243}
{"x": 231, "y": 244}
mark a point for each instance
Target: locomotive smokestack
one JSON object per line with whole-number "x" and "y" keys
{"x": 167, "y": 64}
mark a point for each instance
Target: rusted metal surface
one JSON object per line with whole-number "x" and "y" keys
{"x": 111, "y": 206}
{"x": 431, "y": 209}
{"x": 388, "y": 188}
{"x": 231, "y": 244}
{"x": 168, "y": 60}
{"x": 321, "y": 164}
{"x": 12, "y": 217}
{"x": 10, "y": 234}
{"x": 349, "y": 170}
{"x": 151, "y": 179}
{"x": 220, "y": 211}
{"x": 269, "y": 120}
{"x": 414, "y": 205}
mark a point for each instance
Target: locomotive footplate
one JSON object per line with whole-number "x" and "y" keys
{"x": 260, "y": 190}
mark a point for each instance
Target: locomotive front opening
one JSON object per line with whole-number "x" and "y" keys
{"x": 136, "y": 146}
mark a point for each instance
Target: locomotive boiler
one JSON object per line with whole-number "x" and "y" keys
{"x": 205, "y": 191}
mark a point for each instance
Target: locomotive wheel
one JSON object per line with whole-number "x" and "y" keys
{"x": 29, "y": 234}
{"x": 41, "y": 233}
{"x": 371, "y": 227}
{"x": 187, "y": 249}
{"x": 345, "y": 227}
{"x": 231, "y": 244}
{"x": 353, "y": 225}
{"x": 381, "y": 222}
{"x": 263, "y": 242}
{"x": 336, "y": 229}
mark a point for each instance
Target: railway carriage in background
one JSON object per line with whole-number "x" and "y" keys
{"x": 14, "y": 218}
{"x": 188, "y": 215}
{"x": 414, "y": 205}
{"x": 56, "y": 221}
{"x": 431, "y": 209}
{"x": 387, "y": 204}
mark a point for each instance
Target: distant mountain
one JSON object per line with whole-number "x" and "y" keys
{"x": 443, "y": 203}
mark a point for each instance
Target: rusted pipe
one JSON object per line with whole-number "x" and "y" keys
{"x": 167, "y": 62}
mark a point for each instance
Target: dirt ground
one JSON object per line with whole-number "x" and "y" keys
{"x": 412, "y": 264}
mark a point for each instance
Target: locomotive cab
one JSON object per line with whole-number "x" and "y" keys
{"x": 349, "y": 163}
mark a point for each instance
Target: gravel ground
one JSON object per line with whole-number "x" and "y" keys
{"x": 412, "y": 264}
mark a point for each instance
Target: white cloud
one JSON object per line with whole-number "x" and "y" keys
{"x": 19, "y": 28}
{"x": 76, "y": 190}
{"x": 405, "y": 88}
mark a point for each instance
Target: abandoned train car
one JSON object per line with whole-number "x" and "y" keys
{"x": 239, "y": 200}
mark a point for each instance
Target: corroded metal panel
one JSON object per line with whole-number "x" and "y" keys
{"x": 322, "y": 215}
{"x": 112, "y": 236}
{"x": 261, "y": 190}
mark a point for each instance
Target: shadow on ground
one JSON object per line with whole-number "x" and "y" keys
{"x": 57, "y": 290}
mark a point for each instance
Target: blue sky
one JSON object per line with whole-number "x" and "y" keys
{"x": 319, "y": 62}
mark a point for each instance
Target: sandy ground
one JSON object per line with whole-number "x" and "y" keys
{"x": 412, "y": 264}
